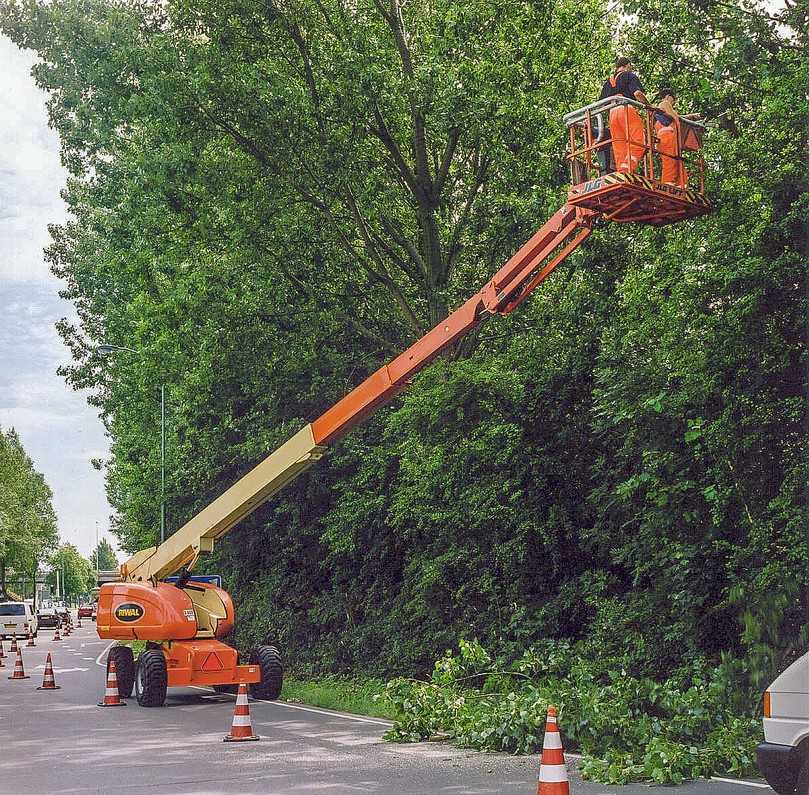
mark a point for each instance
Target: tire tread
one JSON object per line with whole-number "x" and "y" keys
{"x": 272, "y": 673}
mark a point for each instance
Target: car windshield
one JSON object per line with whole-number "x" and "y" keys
{"x": 12, "y": 609}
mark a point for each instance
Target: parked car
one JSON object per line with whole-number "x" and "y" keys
{"x": 783, "y": 757}
{"x": 95, "y": 611}
{"x": 17, "y": 618}
{"x": 47, "y": 617}
{"x": 85, "y": 611}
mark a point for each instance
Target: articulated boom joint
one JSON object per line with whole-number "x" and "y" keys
{"x": 535, "y": 261}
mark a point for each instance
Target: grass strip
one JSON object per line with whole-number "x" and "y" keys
{"x": 357, "y": 696}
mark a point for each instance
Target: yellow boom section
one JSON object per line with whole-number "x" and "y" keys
{"x": 212, "y": 522}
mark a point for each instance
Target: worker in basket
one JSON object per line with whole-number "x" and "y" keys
{"x": 669, "y": 135}
{"x": 626, "y": 125}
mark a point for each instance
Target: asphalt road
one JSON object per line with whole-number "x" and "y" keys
{"x": 61, "y": 742}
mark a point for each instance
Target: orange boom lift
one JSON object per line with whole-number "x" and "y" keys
{"x": 183, "y": 621}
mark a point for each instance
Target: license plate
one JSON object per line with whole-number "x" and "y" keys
{"x": 11, "y": 626}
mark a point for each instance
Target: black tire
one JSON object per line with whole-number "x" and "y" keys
{"x": 802, "y": 784}
{"x": 151, "y": 678}
{"x": 124, "y": 669}
{"x": 272, "y": 673}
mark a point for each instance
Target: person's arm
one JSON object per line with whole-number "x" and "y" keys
{"x": 668, "y": 108}
{"x": 637, "y": 89}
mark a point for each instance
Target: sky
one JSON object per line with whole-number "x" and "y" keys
{"x": 58, "y": 429}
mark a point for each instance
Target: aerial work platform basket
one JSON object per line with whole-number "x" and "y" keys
{"x": 638, "y": 195}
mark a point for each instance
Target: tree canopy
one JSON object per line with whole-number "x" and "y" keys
{"x": 27, "y": 521}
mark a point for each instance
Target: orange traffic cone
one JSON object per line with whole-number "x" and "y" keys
{"x": 13, "y": 648}
{"x": 2, "y": 651}
{"x": 48, "y": 682}
{"x": 56, "y": 635}
{"x": 30, "y": 639}
{"x": 552, "y": 769}
{"x": 78, "y": 623}
{"x": 241, "y": 729}
{"x": 111, "y": 695}
{"x": 19, "y": 671}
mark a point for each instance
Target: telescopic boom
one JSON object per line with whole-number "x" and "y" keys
{"x": 513, "y": 283}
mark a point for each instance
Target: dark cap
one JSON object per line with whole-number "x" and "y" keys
{"x": 666, "y": 92}
{"x": 622, "y": 61}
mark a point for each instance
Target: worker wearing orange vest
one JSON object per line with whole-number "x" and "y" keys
{"x": 626, "y": 126}
{"x": 667, "y": 129}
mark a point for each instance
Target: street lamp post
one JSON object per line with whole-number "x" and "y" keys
{"x": 162, "y": 463}
{"x": 105, "y": 350}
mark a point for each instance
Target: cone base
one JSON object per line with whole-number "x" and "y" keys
{"x": 119, "y": 704}
{"x": 53, "y": 687}
{"x": 229, "y": 738}
{"x": 19, "y": 677}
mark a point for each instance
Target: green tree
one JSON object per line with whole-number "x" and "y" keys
{"x": 76, "y": 575}
{"x": 103, "y": 557}
{"x": 27, "y": 520}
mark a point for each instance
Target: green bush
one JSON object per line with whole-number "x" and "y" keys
{"x": 627, "y": 727}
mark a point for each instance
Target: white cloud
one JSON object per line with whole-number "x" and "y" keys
{"x": 58, "y": 429}
{"x": 31, "y": 174}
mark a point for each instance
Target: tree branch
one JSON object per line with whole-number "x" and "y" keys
{"x": 446, "y": 160}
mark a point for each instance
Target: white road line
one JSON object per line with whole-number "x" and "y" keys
{"x": 743, "y": 783}
{"x": 309, "y": 709}
{"x": 63, "y": 670}
{"x": 98, "y": 659}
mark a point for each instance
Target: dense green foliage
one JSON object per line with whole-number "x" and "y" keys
{"x": 269, "y": 200}
{"x": 27, "y": 521}
{"x": 685, "y": 725}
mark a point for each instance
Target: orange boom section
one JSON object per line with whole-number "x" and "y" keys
{"x": 512, "y": 284}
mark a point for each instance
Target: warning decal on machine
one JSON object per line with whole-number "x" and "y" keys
{"x": 189, "y": 614}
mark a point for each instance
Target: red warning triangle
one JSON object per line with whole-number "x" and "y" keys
{"x": 692, "y": 141}
{"x": 212, "y": 663}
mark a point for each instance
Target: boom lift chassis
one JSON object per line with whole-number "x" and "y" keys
{"x": 183, "y": 622}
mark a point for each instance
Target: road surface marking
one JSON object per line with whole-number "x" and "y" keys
{"x": 309, "y": 709}
{"x": 739, "y": 781}
{"x": 62, "y": 670}
{"x": 98, "y": 659}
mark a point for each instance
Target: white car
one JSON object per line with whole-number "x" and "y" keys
{"x": 17, "y": 617}
{"x": 783, "y": 757}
